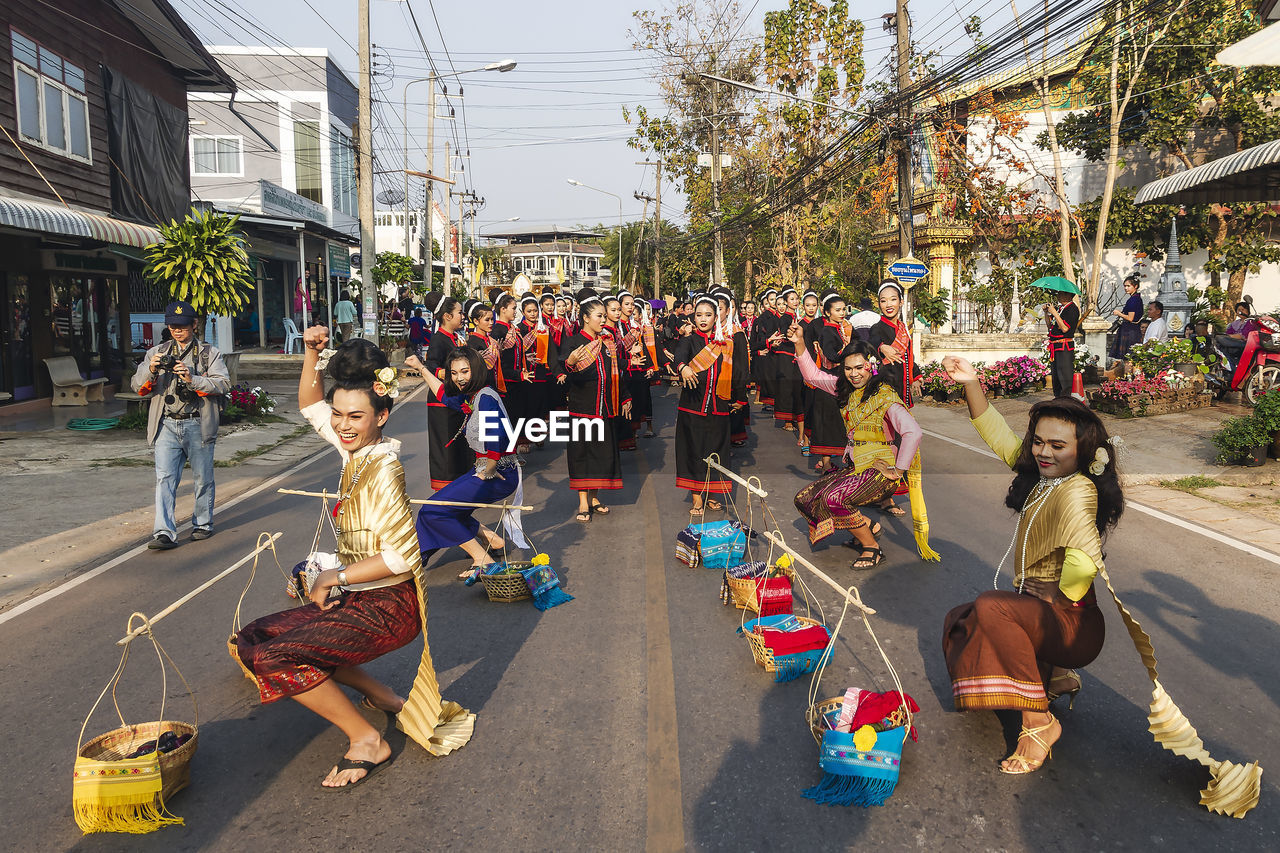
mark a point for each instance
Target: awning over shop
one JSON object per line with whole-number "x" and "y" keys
{"x": 1261, "y": 48}
{"x": 1250, "y": 175}
{"x": 56, "y": 219}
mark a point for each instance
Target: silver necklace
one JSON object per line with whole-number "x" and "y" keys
{"x": 340, "y": 507}
{"x": 1039, "y": 497}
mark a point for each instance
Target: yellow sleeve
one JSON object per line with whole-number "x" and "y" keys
{"x": 1078, "y": 572}
{"x": 995, "y": 431}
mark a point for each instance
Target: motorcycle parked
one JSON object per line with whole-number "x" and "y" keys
{"x": 1258, "y": 370}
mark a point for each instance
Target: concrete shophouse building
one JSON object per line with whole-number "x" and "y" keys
{"x": 281, "y": 155}
{"x": 94, "y": 152}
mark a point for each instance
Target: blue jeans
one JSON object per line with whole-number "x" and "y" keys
{"x": 178, "y": 443}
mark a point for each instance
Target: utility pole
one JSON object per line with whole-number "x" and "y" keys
{"x": 447, "y": 249}
{"x": 635, "y": 254}
{"x": 657, "y": 226}
{"x": 365, "y": 159}
{"x": 717, "y": 261}
{"x": 428, "y": 252}
{"x": 902, "y": 21}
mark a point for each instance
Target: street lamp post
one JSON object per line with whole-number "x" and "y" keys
{"x": 502, "y": 66}
{"x": 606, "y": 192}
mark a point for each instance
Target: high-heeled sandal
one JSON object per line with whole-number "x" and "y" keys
{"x": 1068, "y": 675}
{"x": 1031, "y": 765}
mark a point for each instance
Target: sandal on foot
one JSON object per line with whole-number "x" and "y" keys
{"x": 1031, "y": 765}
{"x": 369, "y": 767}
{"x": 470, "y": 573}
{"x": 600, "y": 508}
{"x": 714, "y": 505}
{"x": 696, "y": 512}
{"x": 891, "y": 508}
{"x": 583, "y": 517}
{"x": 876, "y": 558}
{"x": 366, "y": 704}
{"x": 1069, "y": 676}
{"x": 876, "y": 530}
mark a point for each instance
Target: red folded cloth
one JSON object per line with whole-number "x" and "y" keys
{"x": 874, "y": 707}
{"x": 773, "y": 595}
{"x": 793, "y": 642}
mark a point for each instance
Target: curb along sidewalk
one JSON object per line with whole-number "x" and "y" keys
{"x": 76, "y": 499}
{"x": 1167, "y": 464}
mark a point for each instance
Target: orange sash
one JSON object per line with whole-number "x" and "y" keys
{"x": 707, "y": 357}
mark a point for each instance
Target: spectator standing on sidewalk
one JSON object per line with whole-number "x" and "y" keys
{"x": 344, "y": 314}
{"x": 1063, "y": 321}
{"x": 1158, "y": 328}
{"x": 187, "y": 381}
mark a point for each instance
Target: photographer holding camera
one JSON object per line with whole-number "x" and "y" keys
{"x": 187, "y": 381}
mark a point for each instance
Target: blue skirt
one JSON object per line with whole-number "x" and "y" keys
{"x": 446, "y": 526}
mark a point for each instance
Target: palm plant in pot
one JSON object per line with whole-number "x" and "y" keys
{"x": 1242, "y": 441}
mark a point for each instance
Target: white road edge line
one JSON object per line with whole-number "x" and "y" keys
{"x": 1252, "y": 550}
{"x": 46, "y": 597}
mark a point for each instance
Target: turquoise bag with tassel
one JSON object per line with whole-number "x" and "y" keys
{"x": 544, "y": 584}
{"x": 855, "y": 777}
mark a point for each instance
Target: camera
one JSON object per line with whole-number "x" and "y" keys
{"x": 167, "y": 362}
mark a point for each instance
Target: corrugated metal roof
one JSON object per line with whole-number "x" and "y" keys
{"x": 1249, "y": 175}
{"x": 53, "y": 219}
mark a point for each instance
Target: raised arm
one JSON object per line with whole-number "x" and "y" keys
{"x": 311, "y": 386}
{"x": 808, "y": 367}
{"x": 993, "y": 428}
{"x": 433, "y": 382}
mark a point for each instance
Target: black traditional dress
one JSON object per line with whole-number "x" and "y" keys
{"x": 900, "y": 375}
{"x": 762, "y": 364}
{"x": 741, "y": 419}
{"x": 788, "y": 395}
{"x": 446, "y": 449}
{"x": 828, "y": 433}
{"x": 811, "y": 328}
{"x": 540, "y": 354}
{"x": 595, "y": 392}
{"x": 702, "y": 418}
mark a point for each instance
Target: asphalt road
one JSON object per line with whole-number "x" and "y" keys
{"x": 634, "y": 716}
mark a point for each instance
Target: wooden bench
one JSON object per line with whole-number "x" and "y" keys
{"x": 69, "y": 387}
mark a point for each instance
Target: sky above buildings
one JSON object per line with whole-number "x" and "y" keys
{"x": 557, "y": 116}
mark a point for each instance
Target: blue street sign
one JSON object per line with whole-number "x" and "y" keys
{"x": 908, "y": 270}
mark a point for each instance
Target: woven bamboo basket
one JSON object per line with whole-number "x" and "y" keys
{"x": 743, "y": 591}
{"x": 509, "y": 585}
{"x": 762, "y": 653}
{"x": 235, "y": 656}
{"x": 175, "y": 766}
{"x": 830, "y": 709}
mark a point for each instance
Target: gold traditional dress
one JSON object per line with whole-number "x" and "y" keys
{"x": 1002, "y": 647}
{"x": 292, "y": 651}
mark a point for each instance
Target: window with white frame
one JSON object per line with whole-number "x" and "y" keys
{"x": 342, "y": 161}
{"x": 217, "y": 155}
{"x": 53, "y": 110}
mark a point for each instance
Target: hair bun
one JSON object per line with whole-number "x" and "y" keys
{"x": 354, "y": 363}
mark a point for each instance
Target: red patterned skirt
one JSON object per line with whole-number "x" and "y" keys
{"x": 292, "y": 651}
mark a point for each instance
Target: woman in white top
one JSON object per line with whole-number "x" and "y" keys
{"x": 371, "y": 604}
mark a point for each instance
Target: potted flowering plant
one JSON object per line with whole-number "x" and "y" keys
{"x": 938, "y": 384}
{"x": 1242, "y": 441}
{"x": 1267, "y": 411}
{"x": 1154, "y": 357}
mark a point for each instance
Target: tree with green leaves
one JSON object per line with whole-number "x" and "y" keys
{"x": 1186, "y": 104}
{"x": 203, "y": 261}
{"x": 393, "y": 267}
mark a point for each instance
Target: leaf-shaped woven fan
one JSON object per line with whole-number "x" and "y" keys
{"x": 1233, "y": 788}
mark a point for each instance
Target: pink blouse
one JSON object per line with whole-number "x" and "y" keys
{"x": 900, "y": 428}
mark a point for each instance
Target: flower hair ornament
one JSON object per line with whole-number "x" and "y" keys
{"x": 1099, "y": 464}
{"x": 386, "y": 382}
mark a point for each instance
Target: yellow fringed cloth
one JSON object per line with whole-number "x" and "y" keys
{"x": 1233, "y": 789}
{"x": 380, "y": 503}
{"x": 119, "y": 796}
{"x": 864, "y": 421}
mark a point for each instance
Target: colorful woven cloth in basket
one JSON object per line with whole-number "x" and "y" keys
{"x": 796, "y": 650}
{"x": 491, "y": 569}
{"x": 742, "y": 570}
{"x": 687, "y": 551}
{"x": 859, "y": 769}
{"x": 544, "y": 584}
{"x": 721, "y": 543}
{"x": 773, "y": 596}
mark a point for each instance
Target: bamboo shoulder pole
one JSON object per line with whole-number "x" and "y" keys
{"x": 264, "y": 542}
{"x": 417, "y": 501}
{"x": 850, "y": 594}
{"x": 714, "y": 461}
